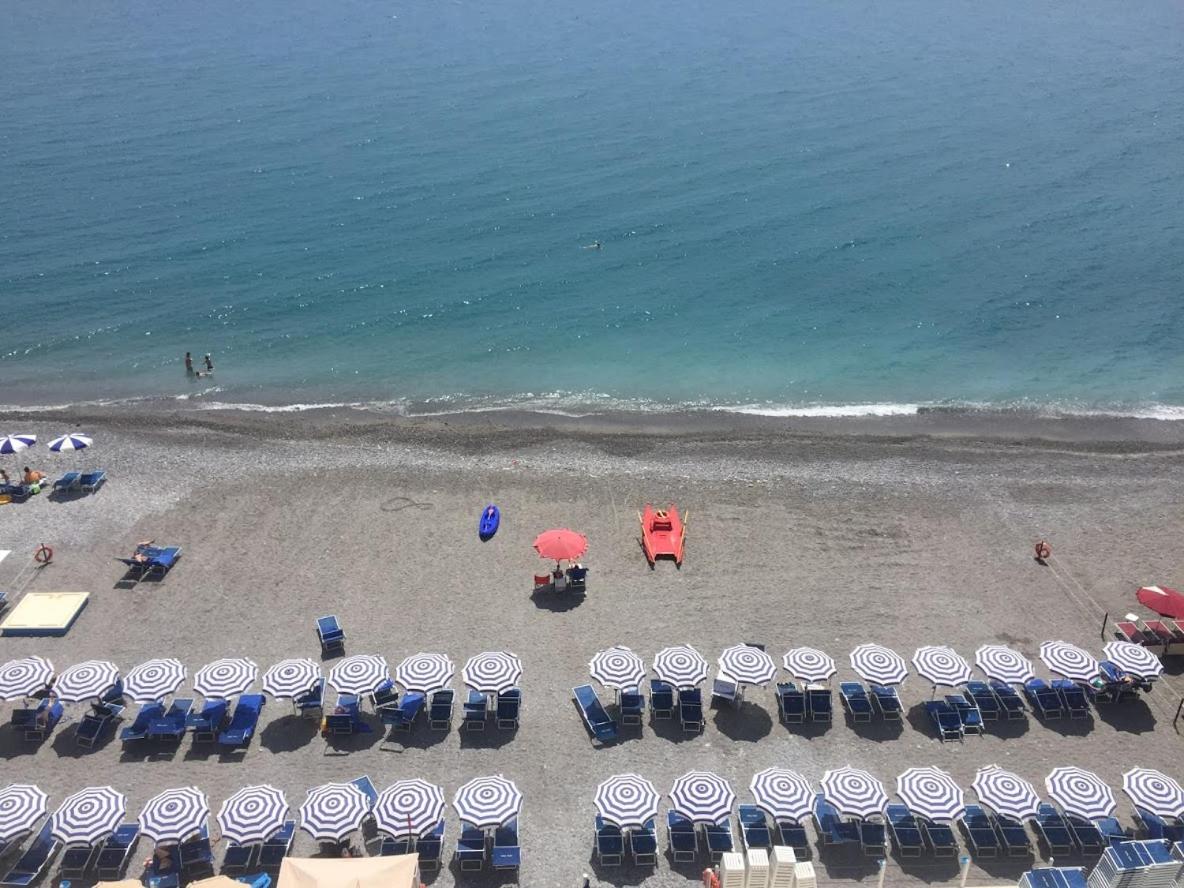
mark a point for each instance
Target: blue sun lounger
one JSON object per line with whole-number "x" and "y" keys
{"x": 68, "y": 482}
{"x": 403, "y": 716}
{"x": 1086, "y": 835}
{"x": 596, "y": 719}
{"x": 632, "y": 706}
{"x": 1045, "y": 701}
{"x": 32, "y": 863}
{"x": 38, "y": 723}
{"x": 206, "y": 724}
{"x": 968, "y": 714}
{"x": 643, "y": 844}
{"x": 440, "y": 713}
{"x": 1009, "y": 700}
{"x": 855, "y": 701}
{"x": 196, "y": 857}
{"x": 92, "y": 481}
{"x": 976, "y": 825}
{"x": 818, "y": 701}
{"x": 330, "y": 635}
{"x": 754, "y": 827}
{"x": 609, "y": 842}
{"x": 826, "y": 821}
{"x": 791, "y": 703}
{"x": 244, "y": 721}
{"x": 430, "y": 846}
{"x": 1014, "y": 835}
{"x": 171, "y": 726}
{"x": 891, "y": 709}
{"x": 476, "y": 712}
{"x": 275, "y": 849}
{"x": 138, "y": 729}
{"x": 312, "y": 703}
{"x": 941, "y": 837}
{"x": 238, "y": 858}
{"x": 392, "y": 847}
{"x": 684, "y": 841}
{"x": 945, "y": 718}
{"x": 1155, "y": 827}
{"x": 793, "y": 834}
{"x": 1052, "y": 827}
{"x": 509, "y": 704}
{"x": 872, "y": 838}
{"x": 470, "y": 848}
{"x": 1112, "y": 831}
{"x": 1072, "y": 697}
{"x": 506, "y": 853}
{"x": 76, "y": 861}
{"x": 92, "y": 725}
{"x": 690, "y": 709}
{"x": 113, "y": 857}
{"x": 906, "y": 832}
{"x": 719, "y": 838}
{"x": 661, "y": 699}
{"x": 981, "y": 695}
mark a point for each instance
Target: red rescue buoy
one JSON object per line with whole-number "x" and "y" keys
{"x": 1043, "y": 551}
{"x": 43, "y": 555}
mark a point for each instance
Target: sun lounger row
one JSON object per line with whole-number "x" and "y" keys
{"x": 214, "y": 722}
{"x": 106, "y": 859}
{"x": 71, "y": 482}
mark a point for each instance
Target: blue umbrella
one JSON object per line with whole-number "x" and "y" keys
{"x": 70, "y": 442}
{"x": 16, "y": 443}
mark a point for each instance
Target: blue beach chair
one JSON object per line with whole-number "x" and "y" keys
{"x": 92, "y": 725}
{"x": 888, "y": 701}
{"x": 791, "y": 703}
{"x": 1043, "y": 699}
{"x": 506, "y": 854}
{"x": 1112, "y": 831}
{"x": 602, "y": 728}
{"x": 92, "y": 481}
{"x": 632, "y": 706}
{"x": 793, "y": 834}
{"x": 906, "y": 832}
{"x": 392, "y": 847}
{"x": 818, "y": 701}
{"x": 1053, "y": 829}
{"x": 643, "y": 844}
{"x": 206, "y": 723}
{"x": 440, "y": 713}
{"x": 719, "y": 838}
{"x": 1014, "y": 836}
{"x": 244, "y": 721}
{"x": 1010, "y": 703}
{"x": 684, "y": 840}
{"x": 509, "y": 705}
{"x": 470, "y": 848}
{"x": 826, "y": 821}
{"x": 312, "y": 703}
{"x": 980, "y": 694}
{"x": 872, "y": 838}
{"x": 32, "y": 863}
{"x": 39, "y": 723}
{"x": 113, "y": 856}
{"x": 196, "y": 857}
{"x": 941, "y": 837}
{"x": 138, "y": 729}
{"x": 690, "y": 709}
{"x": 239, "y": 858}
{"x": 980, "y": 835}
{"x": 275, "y": 849}
{"x": 330, "y": 635}
{"x": 403, "y": 716}
{"x": 968, "y": 714}
{"x": 855, "y": 701}
{"x": 754, "y": 827}
{"x": 68, "y": 483}
{"x": 76, "y": 861}
{"x": 661, "y": 699}
{"x": 945, "y": 719}
{"x": 1072, "y": 697}
{"x": 430, "y": 847}
{"x": 609, "y": 842}
{"x": 1086, "y": 835}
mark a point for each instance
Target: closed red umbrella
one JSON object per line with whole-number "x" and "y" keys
{"x": 1164, "y": 601}
{"x": 561, "y": 544}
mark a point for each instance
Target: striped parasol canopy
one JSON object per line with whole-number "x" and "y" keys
{"x": 618, "y": 667}
{"x": 291, "y": 678}
{"x": 333, "y": 810}
{"x": 253, "y": 814}
{"x": 360, "y": 674}
{"x": 808, "y": 664}
{"x": 88, "y": 815}
{"x": 1069, "y": 660}
{"x": 1155, "y": 791}
{"x": 878, "y": 664}
{"x": 854, "y": 792}
{"x": 225, "y": 678}
{"x": 70, "y": 442}
{"x": 941, "y": 665}
{"x": 1006, "y": 793}
{"x": 409, "y": 808}
{"x": 681, "y": 666}
{"x": 627, "y": 800}
{"x": 747, "y": 664}
{"x": 24, "y": 677}
{"x": 486, "y": 802}
{"x": 932, "y": 793}
{"x": 153, "y": 680}
{"x": 425, "y": 672}
{"x": 1134, "y": 658}
{"x": 1001, "y": 663}
{"x": 174, "y": 815}
{"x": 782, "y": 793}
{"x": 702, "y": 797}
{"x": 86, "y": 681}
{"x": 1080, "y": 792}
{"x": 492, "y": 672}
{"x": 21, "y": 806}
{"x": 10, "y": 444}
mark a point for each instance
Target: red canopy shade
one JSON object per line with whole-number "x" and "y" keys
{"x": 561, "y": 544}
{"x": 1164, "y": 601}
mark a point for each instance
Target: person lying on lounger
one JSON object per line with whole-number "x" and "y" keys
{"x": 32, "y": 477}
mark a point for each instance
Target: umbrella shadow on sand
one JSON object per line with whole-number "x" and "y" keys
{"x": 746, "y": 721}
{"x": 557, "y": 602}
{"x": 289, "y": 733}
{"x": 1133, "y": 717}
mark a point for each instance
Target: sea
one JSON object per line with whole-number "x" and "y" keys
{"x": 788, "y": 207}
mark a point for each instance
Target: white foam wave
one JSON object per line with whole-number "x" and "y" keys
{"x": 823, "y": 410}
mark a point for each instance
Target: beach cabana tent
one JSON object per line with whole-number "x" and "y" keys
{"x": 394, "y": 871}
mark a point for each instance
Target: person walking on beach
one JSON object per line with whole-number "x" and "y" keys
{"x": 188, "y": 364}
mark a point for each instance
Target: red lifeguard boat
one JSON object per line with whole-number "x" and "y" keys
{"x": 663, "y": 533}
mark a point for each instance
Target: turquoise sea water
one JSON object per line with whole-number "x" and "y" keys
{"x": 800, "y": 204}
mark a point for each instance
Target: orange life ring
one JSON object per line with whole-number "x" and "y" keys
{"x": 43, "y": 555}
{"x": 1043, "y": 550}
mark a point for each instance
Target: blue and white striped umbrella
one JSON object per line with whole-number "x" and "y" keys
{"x": 1006, "y": 793}
{"x": 681, "y": 666}
{"x": 153, "y": 680}
{"x": 86, "y": 681}
{"x": 1080, "y": 792}
{"x": 702, "y": 797}
{"x": 1155, "y": 791}
{"x": 618, "y": 667}
{"x": 24, "y": 677}
{"x": 627, "y": 800}
{"x": 21, "y": 806}
{"x": 932, "y": 793}
{"x": 492, "y": 672}
{"x": 1000, "y": 662}
{"x": 333, "y": 810}
{"x": 225, "y": 678}
{"x": 854, "y": 792}
{"x": 425, "y": 672}
{"x": 253, "y": 814}
{"x": 941, "y": 665}
{"x": 878, "y": 664}
{"x": 291, "y": 678}
{"x": 808, "y": 664}
{"x": 746, "y": 664}
{"x": 1069, "y": 660}
{"x": 488, "y": 801}
{"x": 782, "y": 793}
{"x": 70, "y": 442}
{"x": 1134, "y": 658}
{"x": 360, "y": 674}
{"x": 409, "y": 808}
{"x": 10, "y": 444}
{"x": 88, "y": 815}
{"x": 174, "y": 815}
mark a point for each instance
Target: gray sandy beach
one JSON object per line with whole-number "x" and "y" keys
{"x": 823, "y": 534}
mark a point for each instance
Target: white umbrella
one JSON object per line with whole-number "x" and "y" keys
{"x": 627, "y": 800}
{"x": 24, "y": 677}
{"x": 808, "y": 664}
{"x": 70, "y": 442}
{"x": 21, "y": 806}
{"x": 784, "y": 794}
{"x": 941, "y": 665}
{"x": 10, "y": 444}
{"x": 334, "y": 810}
{"x": 253, "y": 814}
{"x": 174, "y": 815}
{"x": 409, "y": 808}
{"x": 1006, "y": 793}
{"x": 1069, "y": 660}
{"x": 854, "y": 792}
{"x": 932, "y": 793}
{"x": 291, "y": 678}
{"x": 492, "y": 672}
{"x": 1000, "y": 662}
{"x": 747, "y": 664}
{"x": 153, "y": 680}
{"x": 702, "y": 796}
{"x": 225, "y": 678}
{"x": 681, "y": 666}
{"x": 1154, "y": 790}
{"x": 488, "y": 801}
{"x": 618, "y": 667}
{"x": 425, "y": 672}
{"x": 1080, "y": 792}
{"x": 1134, "y": 658}
{"x": 88, "y": 815}
{"x": 878, "y": 664}
{"x": 86, "y": 681}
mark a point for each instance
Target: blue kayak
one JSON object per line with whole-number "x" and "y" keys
{"x": 490, "y": 519}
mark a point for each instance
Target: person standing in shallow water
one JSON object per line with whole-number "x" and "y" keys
{"x": 188, "y": 364}
{"x": 209, "y": 362}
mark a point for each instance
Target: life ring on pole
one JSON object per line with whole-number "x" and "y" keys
{"x": 1043, "y": 551}
{"x": 43, "y": 555}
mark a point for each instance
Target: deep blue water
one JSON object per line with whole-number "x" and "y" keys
{"x": 800, "y": 203}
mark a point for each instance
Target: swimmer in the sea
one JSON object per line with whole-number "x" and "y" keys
{"x": 595, "y": 245}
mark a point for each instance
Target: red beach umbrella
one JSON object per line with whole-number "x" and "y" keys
{"x": 561, "y": 544}
{"x": 1164, "y": 601}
